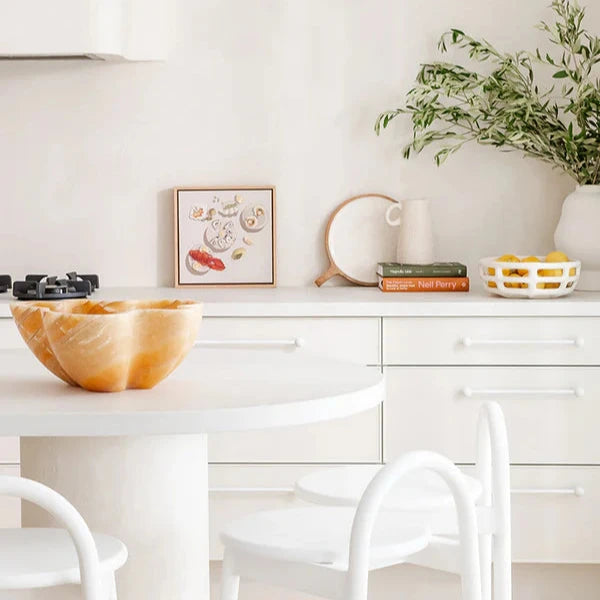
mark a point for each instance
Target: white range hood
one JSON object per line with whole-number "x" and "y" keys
{"x": 88, "y": 29}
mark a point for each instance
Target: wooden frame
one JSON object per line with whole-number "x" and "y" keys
{"x": 333, "y": 270}
{"x": 177, "y": 236}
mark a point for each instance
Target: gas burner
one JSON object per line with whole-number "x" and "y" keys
{"x": 43, "y": 287}
{"x": 5, "y": 283}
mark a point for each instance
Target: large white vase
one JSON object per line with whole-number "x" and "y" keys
{"x": 578, "y": 233}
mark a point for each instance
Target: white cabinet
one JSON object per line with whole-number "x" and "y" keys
{"x": 550, "y": 522}
{"x": 544, "y": 371}
{"x": 239, "y": 490}
{"x": 555, "y": 514}
{"x": 352, "y": 339}
{"x": 10, "y": 508}
{"x": 548, "y": 411}
{"x": 9, "y": 335}
{"x": 491, "y": 341}
{"x": 355, "y": 439}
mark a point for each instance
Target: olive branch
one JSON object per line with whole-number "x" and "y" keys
{"x": 451, "y": 105}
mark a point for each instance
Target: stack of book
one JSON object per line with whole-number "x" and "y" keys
{"x": 437, "y": 277}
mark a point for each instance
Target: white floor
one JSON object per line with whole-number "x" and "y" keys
{"x": 531, "y": 582}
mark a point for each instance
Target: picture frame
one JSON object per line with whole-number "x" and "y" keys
{"x": 225, "y": 236}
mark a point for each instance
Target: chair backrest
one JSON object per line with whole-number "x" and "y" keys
{"x": 371, "y": 502}
{"x": 66, "y": 514}
{"x": 493, "y": 467}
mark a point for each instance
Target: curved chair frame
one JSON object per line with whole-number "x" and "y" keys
{"x": 66, "y": 514}
{"x": 493, "y": 466}
{"x": 352, "y": 583}
{"x": 370, "y": 505}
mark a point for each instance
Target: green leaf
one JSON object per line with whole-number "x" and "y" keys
{"x": 507, "y": 106}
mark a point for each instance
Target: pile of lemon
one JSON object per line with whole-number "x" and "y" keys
{"x": 553, "y": 257}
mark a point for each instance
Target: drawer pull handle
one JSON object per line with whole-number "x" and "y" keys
{"x": 251, "y": 490}
{"x": 297, "y": 342}
{"x": 469, "y": 392}
{"x": 574, "y": 491}
{"x": 578, "y": 342}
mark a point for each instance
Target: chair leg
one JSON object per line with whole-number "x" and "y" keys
{"x": 230, "y": 582}
{"x": 485, "y": 562}
{"x": 112, "y": 588}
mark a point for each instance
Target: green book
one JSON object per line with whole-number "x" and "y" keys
{"x": 438, "y": 269}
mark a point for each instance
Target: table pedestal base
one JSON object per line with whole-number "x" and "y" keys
{"x": 150, "y": 492}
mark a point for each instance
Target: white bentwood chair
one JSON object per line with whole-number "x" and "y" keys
{"x": 33, "y": 558}
{"x": 424, "y": 500}
{"x": 329, "y": 551}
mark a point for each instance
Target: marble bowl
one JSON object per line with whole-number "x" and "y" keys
{"x": 109, "y": 346}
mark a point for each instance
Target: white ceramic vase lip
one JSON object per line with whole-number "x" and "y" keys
{"x": 588, "y": 188}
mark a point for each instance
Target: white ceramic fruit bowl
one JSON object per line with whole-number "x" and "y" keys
{"x": 532, "y": 279}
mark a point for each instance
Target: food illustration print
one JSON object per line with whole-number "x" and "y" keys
{"x": 223, "y": 231}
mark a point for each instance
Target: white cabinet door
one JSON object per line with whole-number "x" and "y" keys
{"x": 353, "y": 439}
{"x": 555, "y": 514}
{"x": 551, "y": 412}
{"x": 352, "y": 339}
{"x": 491, "y": 341}
{"x": 240, "y": 490}
{"x": 10, "y": 508}
{"x": 9, "y": 450}
{"x": 9, "y": 335}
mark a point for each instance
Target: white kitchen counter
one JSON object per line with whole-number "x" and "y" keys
{"x": 354, "y": 302}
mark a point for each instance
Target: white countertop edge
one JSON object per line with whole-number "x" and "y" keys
{"x": 354, "y": 302}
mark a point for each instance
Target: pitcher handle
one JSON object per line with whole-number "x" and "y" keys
{"x": 388, "y": 214}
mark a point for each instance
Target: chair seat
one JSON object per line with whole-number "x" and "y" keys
{"x": 344, "y": 486}
{"x": 321, "y": 535}
{"x": 38, "y": 557}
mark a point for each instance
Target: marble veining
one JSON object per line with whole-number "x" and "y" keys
{"x": 109, "y": 346}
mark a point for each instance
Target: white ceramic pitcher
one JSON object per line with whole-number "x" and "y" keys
{"x": 415, "y": 236}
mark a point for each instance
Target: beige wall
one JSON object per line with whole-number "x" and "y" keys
{"x": 255, "y": 91}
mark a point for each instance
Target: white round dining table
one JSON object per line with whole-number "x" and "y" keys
{"x": 135, "y": 463}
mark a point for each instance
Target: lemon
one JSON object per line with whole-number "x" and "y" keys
{"x": 516, "y": 284}
{"x": 557, "y": 256}
{"x": 492, "y": 284}
{"x": 572, "y": 271}
{"x": 551, "y": 273}
{"x": 510, "y": 258}
{"x": 529, "y": 259}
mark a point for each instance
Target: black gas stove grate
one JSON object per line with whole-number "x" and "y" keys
{"x": 44, "y": 287}
{"x": 5, "y": 283}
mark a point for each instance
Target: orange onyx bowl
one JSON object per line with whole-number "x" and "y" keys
{"x": 109, "y": 346}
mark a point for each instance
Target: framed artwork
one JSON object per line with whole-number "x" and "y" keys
{"x": 225, "y": 237}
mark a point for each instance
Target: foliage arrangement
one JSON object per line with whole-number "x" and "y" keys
{"x": 507, "y": 107}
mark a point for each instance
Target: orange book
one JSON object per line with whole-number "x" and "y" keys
{"x": 424, "y": 284}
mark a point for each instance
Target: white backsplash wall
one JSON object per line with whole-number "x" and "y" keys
{"x": 281, "y": 92}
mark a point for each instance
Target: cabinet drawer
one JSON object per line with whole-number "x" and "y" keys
{"x": 550, "y": 522}
{"x": 492, "y": 341}
{"x": 551, "y": 412}
{"x": 9, "y": 450}
{"x": 10, "y": 508}
{"x": 352, "y": 339}
{"x": 239, "y": 490}
{"x": 353, "y": 439}
{"x": 9, "y": 335}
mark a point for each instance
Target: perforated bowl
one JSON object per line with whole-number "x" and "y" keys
{"x": 529, "y": 279}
